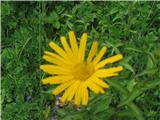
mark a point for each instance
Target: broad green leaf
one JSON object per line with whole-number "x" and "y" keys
{"x": 53, "y": 19}
{"x": 131, "y": 84}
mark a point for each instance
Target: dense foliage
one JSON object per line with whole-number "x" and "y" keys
{"x": 131, "y": 28}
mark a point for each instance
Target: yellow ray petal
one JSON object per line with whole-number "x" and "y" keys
{"x": 54, "y": 69}
{"x": 100, "y": 55}
{"x": 109, "y": 60}
{"x": 101, "y": 90}
{"x": 82, "y": 47}
{"x": 67, "y": 48}
{"x": 62, "y": 87}
{"x": 67, "y": 93}
{"x": 57, "y": 57}
{"x": 58, "y": 50}
{"x": 74, "y": 90}
{"x": 56, "y": 79}
{"x": 99, "y": 82}
{"x": 78, "y": 94}
{"x": 84, "y": 95}
{"x": 65, "y": 45}
{"x": 92, "y": 52}
{"x": 102, "y": 73}
{"x": 73, "y": 42}
{"x": 92, "y": 86}
{"x": 64, "y": 97}
{"x": 55, "y": 61}
{"x": 85, "y": 101}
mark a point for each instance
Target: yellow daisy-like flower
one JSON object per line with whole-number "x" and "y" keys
{"x": 75, "y": 74}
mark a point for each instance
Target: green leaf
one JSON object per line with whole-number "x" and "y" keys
{"x": 139, "y": 90}
{"x": 53, "y": 19}
{"x": 97, "y": 106}
{"x": 136, "y": 111}
{"x": 131, "y": 84}
{"x": 151, "y": 84}
{"x": 127, "y": 66}
{"x": 118, "y": 86}
{"x": 150, "y": 63}
{"x": 132, "y": 95}
{"x": 47, "y": 112}
{"x": 6, "y": 9}
{"x": 134, "y": 49}
{"x": 147, "y": 72}
{"x": 124, "y": 91}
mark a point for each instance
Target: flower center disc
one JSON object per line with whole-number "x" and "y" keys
{"x": 82, "y": 71}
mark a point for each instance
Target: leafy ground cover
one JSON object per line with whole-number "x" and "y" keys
{"x": 131, "y": 28}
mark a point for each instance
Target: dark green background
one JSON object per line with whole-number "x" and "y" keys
{"x": 130, "y": 28}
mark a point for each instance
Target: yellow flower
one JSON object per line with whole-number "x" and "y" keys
{"x": 75, "y": 74}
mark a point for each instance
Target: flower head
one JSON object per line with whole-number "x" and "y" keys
{"x": 75, "y": 74}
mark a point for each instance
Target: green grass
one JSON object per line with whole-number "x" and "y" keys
{"x": 130, "y": 28}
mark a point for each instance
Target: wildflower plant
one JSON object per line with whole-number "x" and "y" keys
{"x": 75, "y": 74}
